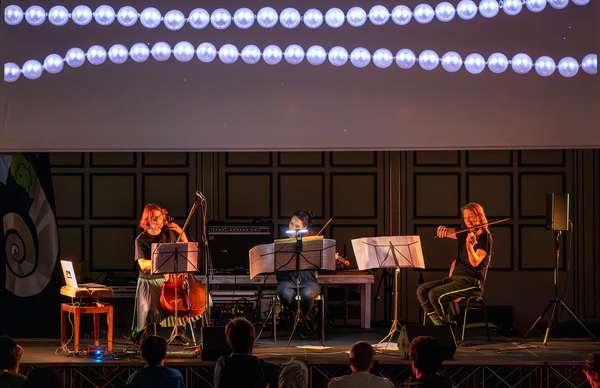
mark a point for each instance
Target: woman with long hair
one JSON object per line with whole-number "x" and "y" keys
{"x": 467, "y": 271}
{"x": 157, "y": 228}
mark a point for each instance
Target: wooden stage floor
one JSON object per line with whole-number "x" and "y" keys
{"x": 500, "y": 350}
{"x": 501, "y": 362}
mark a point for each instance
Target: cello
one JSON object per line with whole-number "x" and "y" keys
{"x": 182, "y": 294}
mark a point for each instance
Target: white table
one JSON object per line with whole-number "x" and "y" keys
{"x": 360, "y": 278}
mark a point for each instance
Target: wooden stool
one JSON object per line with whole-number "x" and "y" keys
{"x": 96, "y": 309}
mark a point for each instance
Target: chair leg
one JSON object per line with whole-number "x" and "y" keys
{"x": 273, "y": 312}
{"x": 487, "y": 323}
{"x": 322, "y": 320}
{"x": 462, "y": 338}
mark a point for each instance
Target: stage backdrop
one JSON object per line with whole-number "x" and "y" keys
{"x": 197, "y": 106}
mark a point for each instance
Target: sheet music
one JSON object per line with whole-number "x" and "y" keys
{"x": 388, "y": 252}
{"x": 317, "y": 253}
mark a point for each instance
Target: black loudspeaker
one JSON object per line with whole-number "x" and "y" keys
{"x": 557, "y": 211}
{"x": 443, "y": 334}
{"x": 229, "y": 244}
{"x": 214, "y": 344}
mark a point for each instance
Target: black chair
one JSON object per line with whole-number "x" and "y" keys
{"x": 476, "y": 301}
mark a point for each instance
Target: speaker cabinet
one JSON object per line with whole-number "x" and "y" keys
{"x": 214, "y": 344}
{"x": 557, "y": 211}
{"x": 443, "y": 334}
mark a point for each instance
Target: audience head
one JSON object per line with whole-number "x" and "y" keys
{"x": 361, "y": 357}
{"x": 294, "y": 374}
{"x": 239, "y": 333}
{"x": 10, "y": 354}
{"x": 424, "y": 354}
{"x": 154, "y": 350}
{"x": 43, "y": 378}
{"x": 591, "y": 369}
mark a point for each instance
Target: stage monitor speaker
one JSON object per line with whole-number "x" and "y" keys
{"x": 230, "y": 242}
{"x": 557, "y": 211}
{"x": 443, "y": 334}
{"x": 214, "y": 344}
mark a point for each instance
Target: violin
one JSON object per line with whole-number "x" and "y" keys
{"x": 341, "y": 259}
{"x": 475, "y": 228}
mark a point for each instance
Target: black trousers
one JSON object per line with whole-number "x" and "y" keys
{"x": 435, "y": 296}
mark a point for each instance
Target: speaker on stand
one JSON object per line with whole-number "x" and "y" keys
{"x": 557, "y": 220}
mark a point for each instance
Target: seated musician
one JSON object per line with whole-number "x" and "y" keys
{"x": 157, "y": 229}
{"x": 466, "y": 271}
{"x": 286, "y": 280}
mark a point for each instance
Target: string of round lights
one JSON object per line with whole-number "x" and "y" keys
{"x": 294, "y": 54}
{"x": 268, "y": 17}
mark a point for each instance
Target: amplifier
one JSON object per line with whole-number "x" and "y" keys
{"x": 229, "y": 243}
{"x": 231, "y": 304}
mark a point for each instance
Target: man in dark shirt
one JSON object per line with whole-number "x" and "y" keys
{"x": 467, "y": 272}
{"x": 10, "y": 360}
{"x": 425, "y": 361}
{"x": 241, "y": 368}
{"x": 155, "y": 374}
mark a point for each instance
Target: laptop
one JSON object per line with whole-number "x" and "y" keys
{"x": 71, "y": 279}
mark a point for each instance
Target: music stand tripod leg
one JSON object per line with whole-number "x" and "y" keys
{"x": 298, "y": 314}
{"x": 394, "y": 327}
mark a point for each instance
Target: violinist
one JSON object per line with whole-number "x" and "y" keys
{"x": 157, "y": 229}
{"x": 286, "y": 280}
{"x": 466, "y": 271}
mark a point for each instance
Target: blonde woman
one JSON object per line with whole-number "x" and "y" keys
{"x": 467, "y": 271}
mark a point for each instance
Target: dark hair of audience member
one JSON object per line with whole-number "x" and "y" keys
{"x": 154, "y": 350}
{"x": 43, "y": 378}
{"x": 240, "y": 334}
{"x": 425, "y": 352}
{"x": 8, "y": 353}
{"x": 361, "y": 356}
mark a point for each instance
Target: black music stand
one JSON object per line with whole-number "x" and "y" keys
{"x": 176, "y": 258}
{"x": 288, "y": 252}
{"x": 389, "y": 252}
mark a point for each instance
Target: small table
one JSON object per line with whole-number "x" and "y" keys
{"x": 361, "y": 278}
{"x": 96, "y": 308}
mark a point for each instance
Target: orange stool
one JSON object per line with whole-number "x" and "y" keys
{"x": 96, "y": 309}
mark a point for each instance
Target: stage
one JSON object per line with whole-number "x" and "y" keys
{"x": 501, "y": 362}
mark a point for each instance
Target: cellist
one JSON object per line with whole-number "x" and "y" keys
{"x": 156, "y": 229}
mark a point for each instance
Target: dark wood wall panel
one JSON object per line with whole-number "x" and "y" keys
{"x": 495, "y": 190}
{"x": 301, "y": 159}
{"x": 489, "y": 159}
{"x": 436, "y": 195}
{"x": 112, "y": 248}
{"x": 354, "y": 195}
{"x": 301, "y": 191}
{"x": 69, "y": 195}
{"x": 170, "y": 190}
{"x": 99, "y": 197}
{"x": 248, "y": 195}
{"x": 436, "y": 158}
{"x": 533, "y": 190}
{"x": 72, "y": 240}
